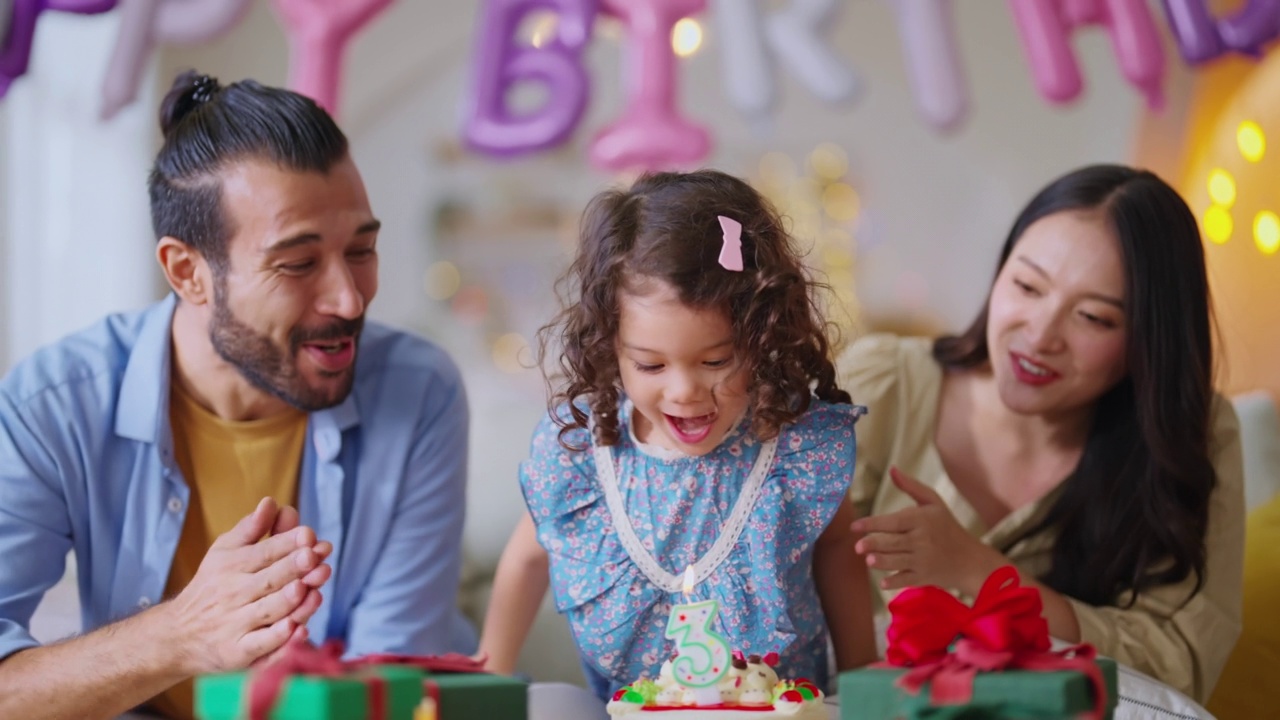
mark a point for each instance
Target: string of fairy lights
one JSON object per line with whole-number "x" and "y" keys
{"x": 816, "y": 198}
{"x": 823, "y": 210}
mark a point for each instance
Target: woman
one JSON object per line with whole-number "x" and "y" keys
{"x": 1073, "y": 431}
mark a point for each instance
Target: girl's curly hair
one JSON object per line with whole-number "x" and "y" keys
{"x": 665, "y": 228}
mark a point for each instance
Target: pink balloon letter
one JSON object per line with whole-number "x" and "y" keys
{"x": 650, "y": 135}
{"x": 1045, "y": 27}
{"x": 491, "y": 126}
{"x": 319, "y": 31}
{"x": 933, "y": 61}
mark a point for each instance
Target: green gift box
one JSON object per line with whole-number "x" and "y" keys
{"x": 477, "y": 696}
{"x": 313, "y": 697}
{"x": 870, "y": 694}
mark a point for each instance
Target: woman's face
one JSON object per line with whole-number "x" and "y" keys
{"x": 1056, "y": 322}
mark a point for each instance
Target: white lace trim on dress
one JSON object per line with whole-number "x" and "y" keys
{"x": 719, "y": 551}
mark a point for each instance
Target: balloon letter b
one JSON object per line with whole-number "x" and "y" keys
{"x": 491, "y": 126}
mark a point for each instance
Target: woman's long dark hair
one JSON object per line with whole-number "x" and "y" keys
{"x": 1134, "y": 512}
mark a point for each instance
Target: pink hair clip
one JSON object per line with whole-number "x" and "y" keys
{"x": 731, "y": 250}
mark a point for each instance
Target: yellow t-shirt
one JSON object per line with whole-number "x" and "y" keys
{"x": 1250, "y": 684}
{"x": 229, "y": 467}
{"x": 1184, "y": 645}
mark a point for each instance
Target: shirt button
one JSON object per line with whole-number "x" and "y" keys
{"x": 175, "y": 505}
{"x": 144, "y": 602}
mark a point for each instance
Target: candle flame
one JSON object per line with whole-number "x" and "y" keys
{"x": 689, "y": 580}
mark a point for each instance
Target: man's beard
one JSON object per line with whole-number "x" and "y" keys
{"x": 270, "y": 369}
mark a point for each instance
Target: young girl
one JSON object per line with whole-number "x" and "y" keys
{"x": 699, "y": 426}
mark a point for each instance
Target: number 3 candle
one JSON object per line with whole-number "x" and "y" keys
{"x": 703, "y": 656}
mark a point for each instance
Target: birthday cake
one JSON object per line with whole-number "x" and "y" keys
{"x": 750, "y": 690}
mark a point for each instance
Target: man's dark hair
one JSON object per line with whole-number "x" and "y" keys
{"x": 206, "y": 128}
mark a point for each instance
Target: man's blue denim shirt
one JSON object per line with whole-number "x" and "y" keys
{"x": 86, "y": 464}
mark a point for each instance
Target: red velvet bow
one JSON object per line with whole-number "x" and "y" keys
{"x": 926, "y": 620}
{"x": 1004, "y": 630}
{"x": 307, "y": 659}
{"x": 303, "y": 658}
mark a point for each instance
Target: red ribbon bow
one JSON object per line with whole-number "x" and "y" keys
{"x": 1004, "y": 630}
{"x": 307, "y": 659}
{"x": 303, "y": 658}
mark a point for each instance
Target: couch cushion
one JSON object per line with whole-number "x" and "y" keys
{"x": 1260, "y": 440}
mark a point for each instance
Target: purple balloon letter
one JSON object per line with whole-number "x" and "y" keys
{"x": 1255, "y": 25}
{"x": 1194, "y": 30}
{"x": 1202, "y": 37}
{"x": 491, "y": 126}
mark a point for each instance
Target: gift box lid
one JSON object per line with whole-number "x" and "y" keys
{"x": 478, "y": 695}
{"x": 312, "y": 697}
{"x": 870, "y": 693}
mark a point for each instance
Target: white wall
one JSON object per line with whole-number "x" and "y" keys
{"x": 76, "y": 227}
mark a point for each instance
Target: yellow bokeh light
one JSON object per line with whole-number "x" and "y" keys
{"x": 1222, "y": 187}
{"x": 1251, "y": 141}
{"x": 836, "y": 259}
{"x": 686, "y": 37}
{"x": 1266, "y": 231}
{"x": 841, "y": 202}
{"x": 1217, "y": 224}
{"x": 829, "y": 161}
{"x": 776, "y": 170}
{"x": 608, "y": 27}
{"x": 840, "y": 238}
{"x": 542, "y": 28}
{"x": 510, "y": 353}
{"x": 443, "y": 280}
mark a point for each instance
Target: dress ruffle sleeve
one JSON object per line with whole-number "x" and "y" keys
{"x": 813, "y": 470}
{"x": 569, "y": 512}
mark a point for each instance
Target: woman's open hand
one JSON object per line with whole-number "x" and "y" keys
{"x": 924, "y": 545}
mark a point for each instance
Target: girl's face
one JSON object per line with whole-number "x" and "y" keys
{"x": 1056, "y": 322}
{"x": 679, "y": 368}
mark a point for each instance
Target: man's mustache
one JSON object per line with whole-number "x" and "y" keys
{"x": 332, "y": 331}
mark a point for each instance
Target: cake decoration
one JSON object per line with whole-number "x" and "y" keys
{"x": 749, "y": 690}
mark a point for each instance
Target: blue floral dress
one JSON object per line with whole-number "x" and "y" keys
{"x": 621, "y": 524}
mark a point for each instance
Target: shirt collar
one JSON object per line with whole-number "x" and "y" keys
{"x": 144, "y": 393}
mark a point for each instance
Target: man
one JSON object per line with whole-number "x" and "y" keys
{"x": 163, "y": 446}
